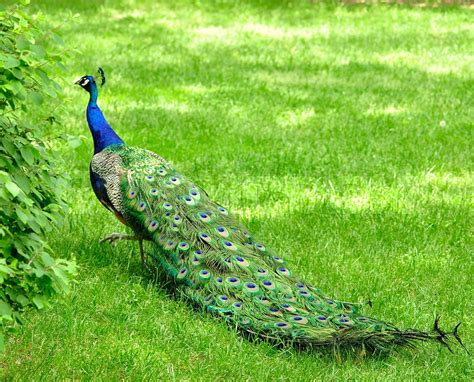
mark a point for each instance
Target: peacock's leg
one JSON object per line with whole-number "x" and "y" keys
{"x": 142, "y": 254}
{"x": 114, "y": 237}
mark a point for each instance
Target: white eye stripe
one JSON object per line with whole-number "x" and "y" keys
{"x": 85, "y": 82}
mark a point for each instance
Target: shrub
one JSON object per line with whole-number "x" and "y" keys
{"x": 30, "y": 187}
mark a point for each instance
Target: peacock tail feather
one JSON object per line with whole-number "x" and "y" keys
{"x": 217, "y": 263}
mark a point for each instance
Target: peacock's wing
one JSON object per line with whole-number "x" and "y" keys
{"x": 216, "y": 261}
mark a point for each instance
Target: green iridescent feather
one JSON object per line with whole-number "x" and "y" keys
{"x": 217, "y": 264}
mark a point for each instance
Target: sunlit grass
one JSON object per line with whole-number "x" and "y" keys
{"x": 342, "y": 136}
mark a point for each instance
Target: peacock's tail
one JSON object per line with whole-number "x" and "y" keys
{"x": 217, "y": 264}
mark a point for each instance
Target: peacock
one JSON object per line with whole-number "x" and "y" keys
{"x": 214, "y": 262}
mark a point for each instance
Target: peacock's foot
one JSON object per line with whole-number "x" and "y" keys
{"x": 114, "y": 237}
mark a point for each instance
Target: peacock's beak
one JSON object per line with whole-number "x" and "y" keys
{"x": 78, "y": 82}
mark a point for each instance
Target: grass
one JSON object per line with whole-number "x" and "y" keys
{"x": 341, "y": 135}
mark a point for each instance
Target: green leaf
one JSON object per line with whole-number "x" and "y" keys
{"x": 27, "y": 155}
{"x": 11, "y": 62}
{"x": 39, "y": 301}
{"x": 62, "y": 279}
{"x": 12, "y": 188}
{"x": 17, "y": 73}
{"x": 23, "y": 300}
{"x": 43, "y": 76}
{"x": 12, "y": 104}
{"x": 21, "y": 215}
{"x": 5, "y": 309}
{"x": 17, "y": 87}
{"x": 39, "y": 272}
{"x": 22, "y": 43}
{"x": 36, "y": 97}
{"x": 5, "y": 269}
{"x": 38, "y": 50}
{"x": 47, "y": 260}
{"x": 22, "y": 181}
{"x": 9, "y": 147}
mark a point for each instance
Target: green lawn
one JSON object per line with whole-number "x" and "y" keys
{"x": 342, "y": 136}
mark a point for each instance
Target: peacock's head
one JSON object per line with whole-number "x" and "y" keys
{"x": 87, "y": 82}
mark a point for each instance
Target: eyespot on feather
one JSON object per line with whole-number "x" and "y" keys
{"x": 183, "y": 246}
{"x": 251, "y": 288}
{"x": 267, "y": 284}
{"x": 229, "y": 245}
{"x": 132, "y": 194}
{"x": 189, "y": 200}
{"x": 222, "y": 231}
{"x": 283, "y": 271}
{"x": 204, "y": 275}
{"x": 299, "y": 320}
{"x": 204, "y": 217}
{"x": 233, "y": 281}
{"x": 175, "y": 180}
{"x": 262, "y": 272}
{"x": 264, "y": 301}
{"x": 205, "y": 237}
{"x": 182, "y": 273}
{"x": 195, "y": 194}
{"x": 153, "y": 226}
{"x": 223, "y": 211}
{"x": 170, "y": 244}
{"x": 239, "y": 260}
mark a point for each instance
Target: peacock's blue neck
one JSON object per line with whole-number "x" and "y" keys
{"x": 102, "y": 133}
